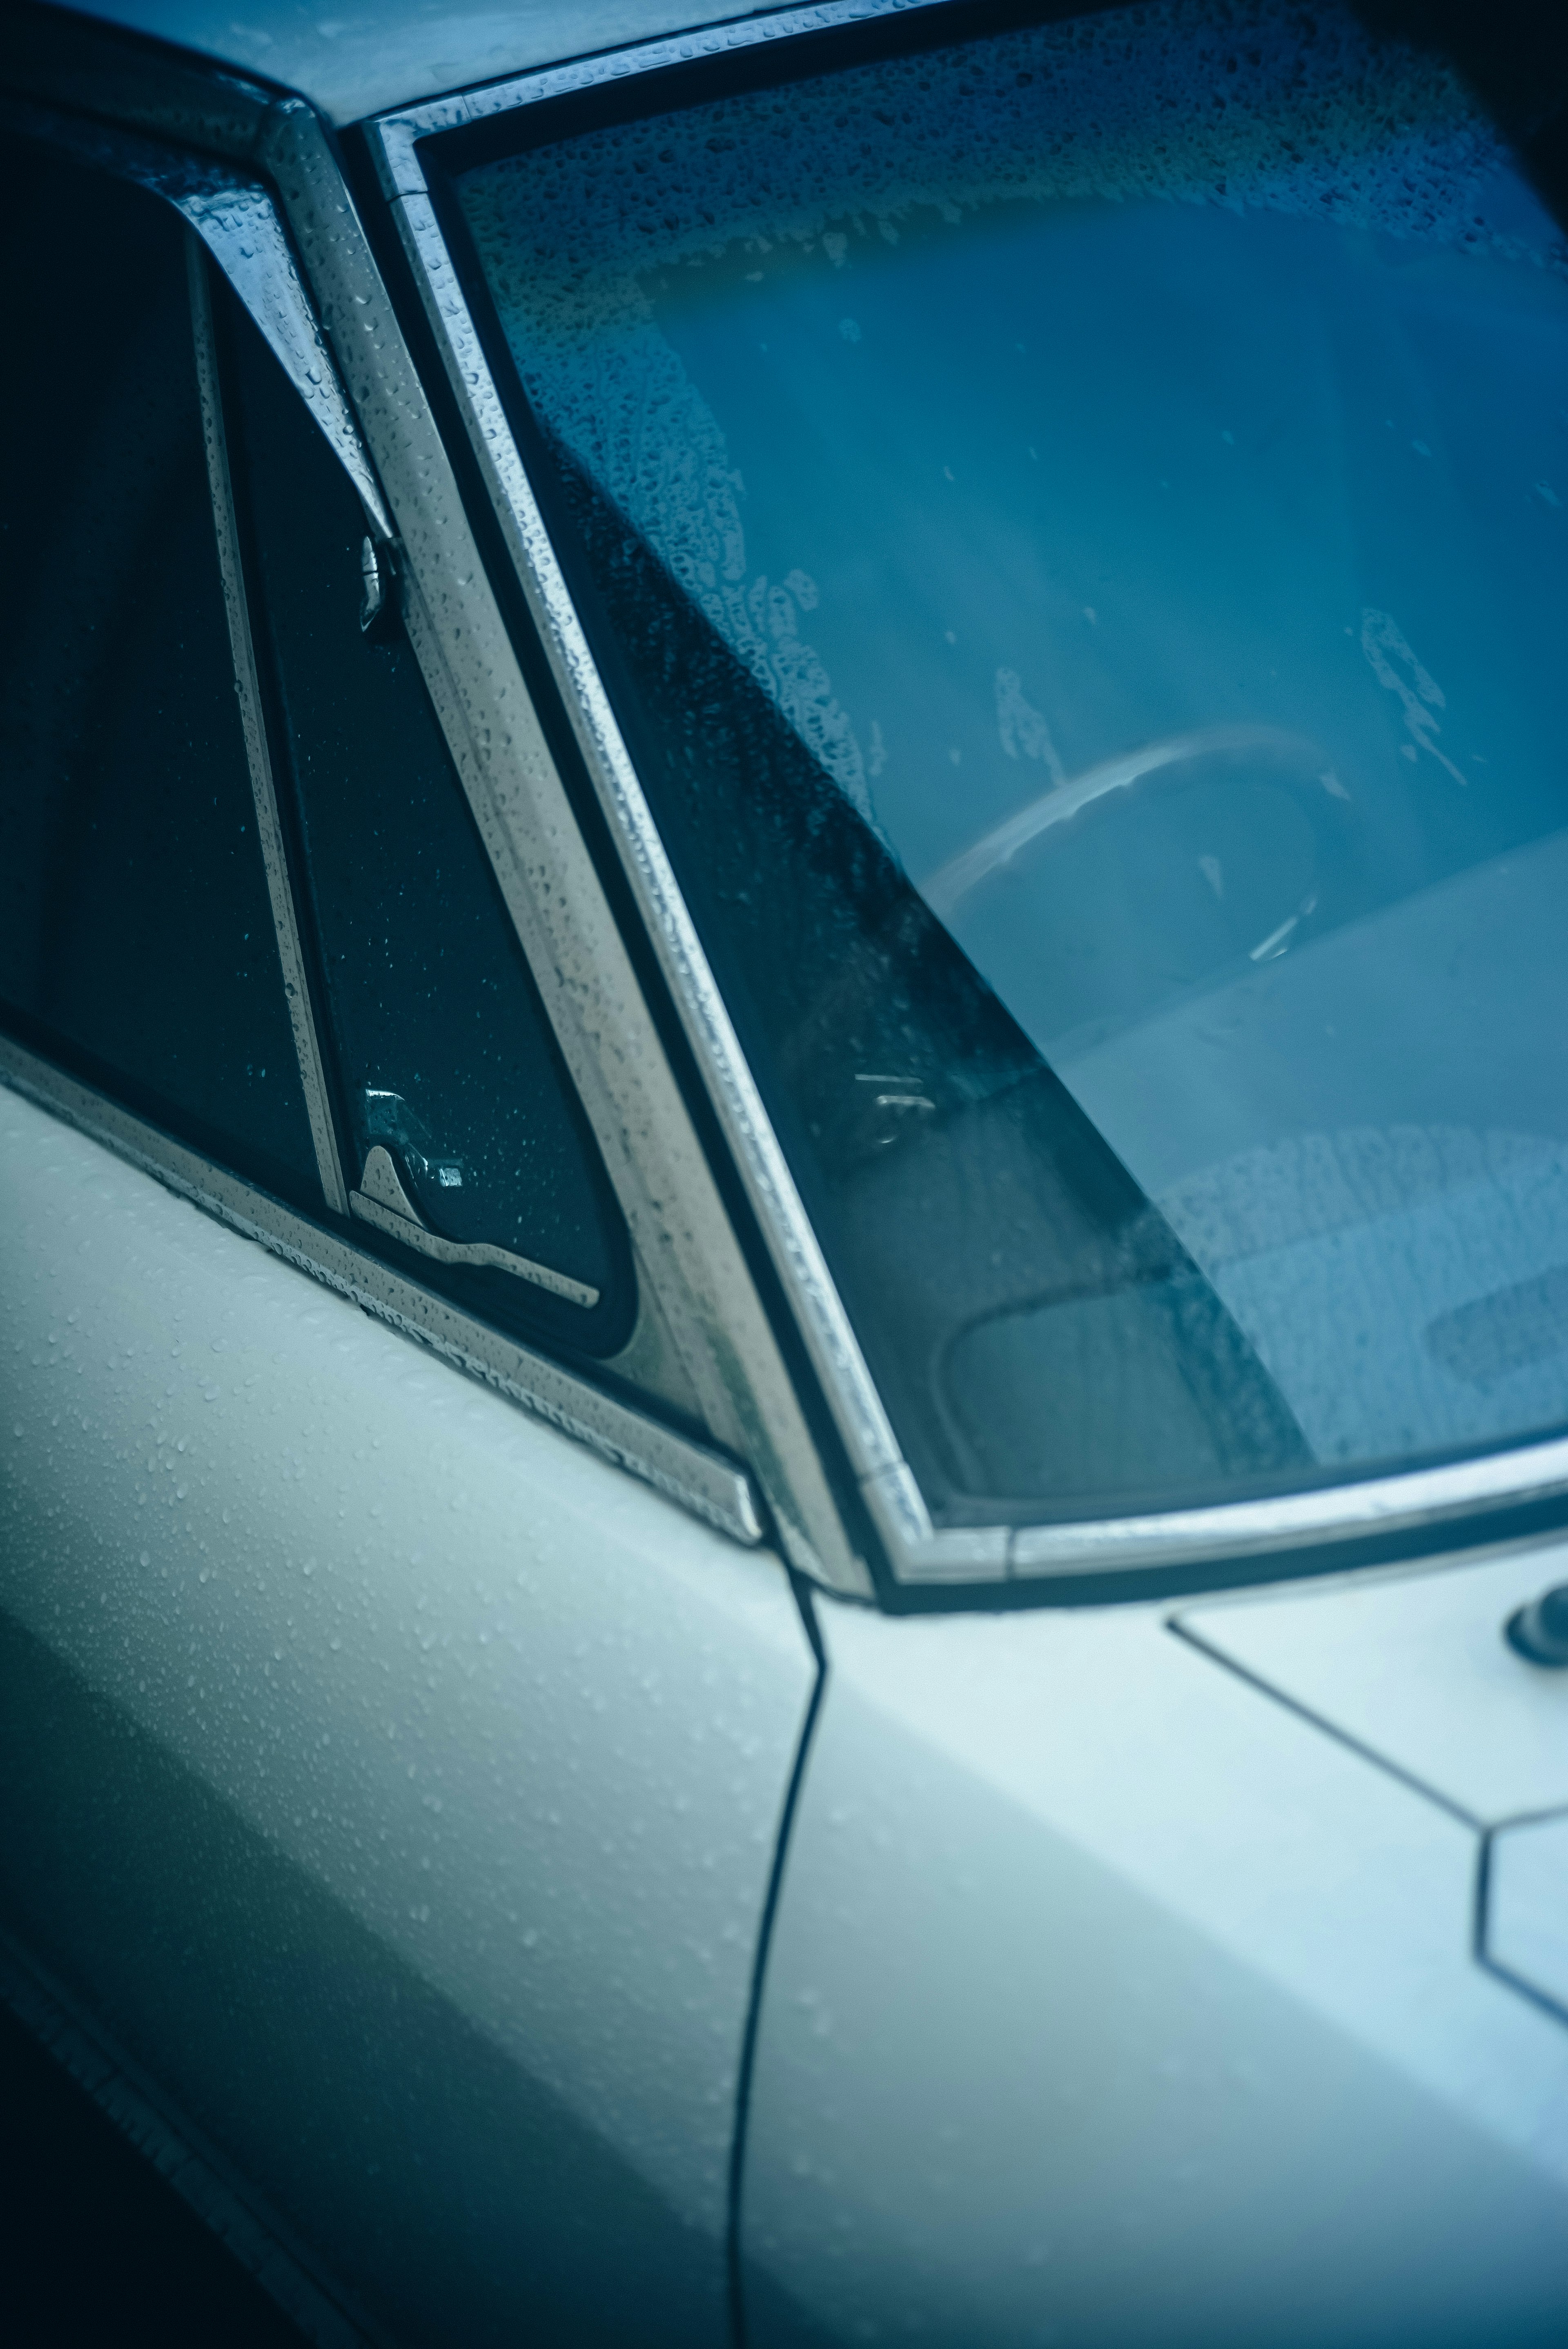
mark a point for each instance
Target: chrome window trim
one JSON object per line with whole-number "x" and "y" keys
{"x": 253, "y": 724}
{"x": 240, "y": 227}
{"x": 701, "y": 1481}
{"x": 918, "y": 1552}
{"x": 382, "y": 1201}
{"x": 719, "y": 39}
{"x": 237, "y": 221}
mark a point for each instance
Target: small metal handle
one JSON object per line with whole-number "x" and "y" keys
{"x": 375, "y": 576}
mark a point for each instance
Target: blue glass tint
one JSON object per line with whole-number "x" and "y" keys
{"x": 136, "y": 935}
{"x": 1084, "y": 515}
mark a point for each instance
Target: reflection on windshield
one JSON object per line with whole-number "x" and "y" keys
{"x": 1129, "y": 460}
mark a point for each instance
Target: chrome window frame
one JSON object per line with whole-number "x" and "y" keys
{"x": 235, "y": 218}
{"x": 1408, "y": 1501}
{"x": 696, "y": 1297}
{"x": 253, "y": 726}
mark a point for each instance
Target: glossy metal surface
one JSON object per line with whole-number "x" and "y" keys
{"x": 1110, "y": 2002}
{"x": 372, "y": 572}
{"x": 1413, "y": 1668}
{"x": 258, "y": 756}
{"x": 240, "y": 229}
{"x": 237, "y": 222}
{"x": 1421, "y": 1497}
{"x": 591, "y": 62}
{"x": 457, "y": 1756}
{"x": 712, "y": 1489}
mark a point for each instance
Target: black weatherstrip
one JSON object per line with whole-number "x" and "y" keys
{"x": 759, "y": 1968}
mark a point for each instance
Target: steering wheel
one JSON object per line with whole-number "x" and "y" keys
{"x": 1313, "y": 784}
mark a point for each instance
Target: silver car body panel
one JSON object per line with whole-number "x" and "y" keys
{"x": 1110, "y": 2000}
{"x": 1413, "y": 1671}
{"x": 714, "y": 1489}
{"x": 198, "y": 2173}
{"x": 462, "y": 1709}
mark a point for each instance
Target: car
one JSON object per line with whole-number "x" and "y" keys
{"x": 785, "y": 1144}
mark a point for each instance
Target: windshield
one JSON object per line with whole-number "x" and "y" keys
{"x": 1075, "y": 527}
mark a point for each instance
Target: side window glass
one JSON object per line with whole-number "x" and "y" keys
{"x": 136, "y": 938}
{"x": 467, "y": 1148}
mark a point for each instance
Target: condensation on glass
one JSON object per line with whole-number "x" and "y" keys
{"x": 1075, "y": 525}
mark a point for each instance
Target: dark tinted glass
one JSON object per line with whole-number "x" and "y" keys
{"x": 1075, "y": 524}
{"x": 136, "y": 938}
{"x": 446, "y": 1064}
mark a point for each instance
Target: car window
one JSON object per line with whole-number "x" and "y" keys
{"x": 467, "y": 1149}
{"x": 136, "y": 939}
{"x": 1074, "y": 525}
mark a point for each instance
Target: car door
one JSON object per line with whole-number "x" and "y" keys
{"x": 393, "y": 1776}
